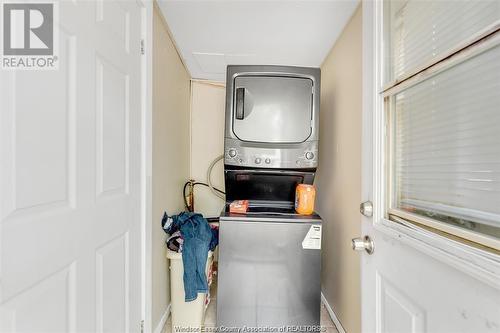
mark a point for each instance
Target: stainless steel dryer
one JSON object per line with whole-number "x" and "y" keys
{"x": 272, "y": 117}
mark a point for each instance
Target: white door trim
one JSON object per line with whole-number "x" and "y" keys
{"x": 478, "y": 263}
{"x": 147, "y": 164}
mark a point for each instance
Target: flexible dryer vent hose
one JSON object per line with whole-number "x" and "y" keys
{"x": 209, "y": 178}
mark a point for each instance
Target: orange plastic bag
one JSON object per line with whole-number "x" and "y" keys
{"x": 304, "y": 199}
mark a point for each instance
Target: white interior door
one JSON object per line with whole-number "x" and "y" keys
{"x": 70, "y": 178}
{"x": 415, "y": 281}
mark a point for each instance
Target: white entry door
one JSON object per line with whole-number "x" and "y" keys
{"x": 415, "y": 280}
{"x": 70, "y": 178}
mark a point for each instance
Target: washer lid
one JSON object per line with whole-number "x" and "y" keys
{"x": 269, "y": 218}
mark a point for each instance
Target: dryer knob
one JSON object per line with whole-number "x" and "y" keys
{"x": 232, "y": 152}
{"x": 258, "y": 160}
{"x": 309, "y": 155}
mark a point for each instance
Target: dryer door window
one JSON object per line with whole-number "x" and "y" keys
{"x": 272, "y": 109}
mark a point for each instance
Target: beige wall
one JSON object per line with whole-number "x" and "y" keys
{"x": 207, "y": 142}
{"x": 339, "y": 173}
{"x": 171, "y": 94}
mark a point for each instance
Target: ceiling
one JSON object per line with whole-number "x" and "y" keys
{"x": 213, "y": 34}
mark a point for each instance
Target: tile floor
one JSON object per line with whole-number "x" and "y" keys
{"x": 211, "y": 315}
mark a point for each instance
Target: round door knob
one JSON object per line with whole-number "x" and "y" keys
{"x": 309, "y": 155}
{"x": 268, "y": 161}
{"x": 232, "y": 152}
{"x": 366, "y": 208}
{"x": 360, "y": 244}
{"x": 258, "y": 160}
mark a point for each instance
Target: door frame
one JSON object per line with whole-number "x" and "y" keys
{"x": 146, "y": 164}
{"x": 473, "y": 261}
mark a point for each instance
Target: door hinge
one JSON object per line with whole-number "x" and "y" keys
{"x": 142, "y": 326}
{"x": 142, "y": 46}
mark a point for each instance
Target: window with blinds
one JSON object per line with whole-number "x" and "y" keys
{"x": 421, "y": 32}
{"x": 444, "y": 119}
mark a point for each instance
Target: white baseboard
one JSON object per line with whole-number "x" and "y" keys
{"x": 161, "y": 325}
{"x": 332, "y": 314}
{"x": 163, "y": 320}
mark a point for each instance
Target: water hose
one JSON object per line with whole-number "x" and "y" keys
{"x": 209, "y": 178}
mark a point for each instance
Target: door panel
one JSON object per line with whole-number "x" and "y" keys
{"x": 413, "y": 292}
{"x": 70, "y": 178}
{"x": 280, "y": 107}
{"x": 112, "y": 128}
{"x": 41, "y": 139}
{"x": 112, "y": 271}
{"x": 45, "y": 307}
{"x": 398, "y": 311}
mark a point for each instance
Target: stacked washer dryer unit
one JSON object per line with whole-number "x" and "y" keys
{"x": 269, "y": 259}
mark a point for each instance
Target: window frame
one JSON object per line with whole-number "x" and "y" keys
{"x": 482, "y": 42}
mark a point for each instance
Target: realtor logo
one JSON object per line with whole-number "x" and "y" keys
{"x": 29, "y": 36}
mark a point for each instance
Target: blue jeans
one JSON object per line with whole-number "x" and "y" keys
{"x": 197, "y": 236}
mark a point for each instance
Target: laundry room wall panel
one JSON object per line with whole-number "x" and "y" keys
{"x": 339, "y": 173}
{"x": 171, "y": 98}
{"x": 207, "y": 142}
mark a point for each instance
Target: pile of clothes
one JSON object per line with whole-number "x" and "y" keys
{"x": 191, "y": 235}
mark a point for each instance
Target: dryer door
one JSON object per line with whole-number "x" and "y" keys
{"x": 273, "y": 109}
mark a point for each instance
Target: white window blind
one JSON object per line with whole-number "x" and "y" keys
{"x": 422, "y": 31}
{"x": 447, "y": 144}
{"x": 444, "y": 128}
